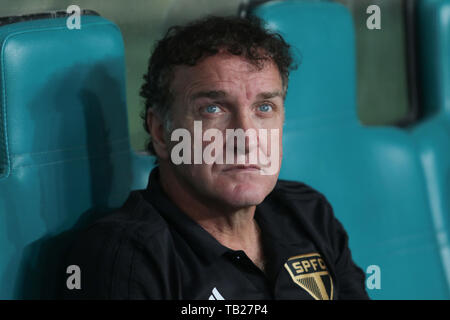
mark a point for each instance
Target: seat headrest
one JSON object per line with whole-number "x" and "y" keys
{"x": 60, "y": 88}
{"x": 322, "y": 37}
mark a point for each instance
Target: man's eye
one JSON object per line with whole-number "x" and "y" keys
{"x": 212, "y": 109}
{"x": 265, "y": 108}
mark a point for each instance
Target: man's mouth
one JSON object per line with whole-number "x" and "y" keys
{"x": 243, "y": 167}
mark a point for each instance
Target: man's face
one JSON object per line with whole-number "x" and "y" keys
{"x": 227, "y": 92}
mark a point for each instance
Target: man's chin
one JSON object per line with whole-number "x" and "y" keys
{"x": 244, "y": 194}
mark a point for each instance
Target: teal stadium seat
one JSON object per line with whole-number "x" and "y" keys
{"x": 432, "y": 135}
{"x": 372, "y": 176}
{"x": 65, "y": 156}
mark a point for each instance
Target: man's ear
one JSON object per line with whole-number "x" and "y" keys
{"x": 156, "y": 128}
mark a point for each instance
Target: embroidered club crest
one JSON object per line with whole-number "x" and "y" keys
{"x": 310, "y": 273}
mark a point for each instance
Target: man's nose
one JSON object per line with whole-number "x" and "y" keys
{"x": 244, "y": 121}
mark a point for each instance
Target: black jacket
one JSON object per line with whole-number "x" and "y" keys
{"x": 149, "y": 249}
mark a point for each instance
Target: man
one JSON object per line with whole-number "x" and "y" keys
{"x": 223, "y": 228}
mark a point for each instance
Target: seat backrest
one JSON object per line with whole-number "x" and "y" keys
{"x": 432, "y": 134}
{"x": 65, "y": 156}
{"x": 371, "y": 176}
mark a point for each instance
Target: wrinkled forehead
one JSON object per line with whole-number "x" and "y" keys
{"x": 226, "y": 72}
